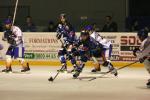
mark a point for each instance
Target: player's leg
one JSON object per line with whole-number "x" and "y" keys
{"x": 107, "y": 63}
{"x": 72, "y": 57}
{"x": 74, "y": 63}
{"x": 98, "y": 53}
{"x": 9, "y": 55}
{"x": 83, "y": 60}
{"x": 8, "y": 64}
{"x": 25, "y": 65}
{"x": 96, "y": 65}
{"x": 19, "y": 55}
{"x": 79, "y": 69}
{"x": 61, "y": 55}
{"x": 147, "y": 66}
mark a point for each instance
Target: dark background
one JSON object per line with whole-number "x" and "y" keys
{"x": 139, "y": 7}
{"x": 43, "y": 11}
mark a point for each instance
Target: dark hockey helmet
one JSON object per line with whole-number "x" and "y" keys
{"x": 142, "y": 34}
{"x": 8, "y": 21}
{"x": 88, "y": 28}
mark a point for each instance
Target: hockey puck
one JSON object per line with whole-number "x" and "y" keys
{"x": 51, "y": 79}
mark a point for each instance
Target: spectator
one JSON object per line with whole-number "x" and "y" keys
{"x": 135, "y": 26}
{"x": 51, "y": 27}
{"x": 110, "y": 26}
{"x": 29, "y": 25}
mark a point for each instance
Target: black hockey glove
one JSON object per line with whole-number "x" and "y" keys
{"x": 105, "y": 64}
{"x": 149, "y": 59}
{"x": 142, "y": 59}
{"x": 10, "y": 37}
{"x": 7, "y": 34}
{"x": 135, "y": 50}
{"x": 58, "y": 36}
{"x": 66, "y": 44}
{"x": 76, "y": 53}
{"x": 12, "y": 41}
{"x": 69, "y": 56}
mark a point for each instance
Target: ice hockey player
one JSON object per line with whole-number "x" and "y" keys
{"x": 14, "y": 36}
{"x": 143, "y": 52}
{"x": 87, "y": 48}
{"x": 107, "y": 50}
{"x": 66, "y": 32}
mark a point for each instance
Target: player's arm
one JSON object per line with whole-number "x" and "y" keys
{"x": 135, "y": 51}
{"x": 59, "y": 31}
{"x": 6, "y": 35}
{"x": 77, "y": 43}
{"x": 17, "y": 36}
{"x": 9, "y": 37}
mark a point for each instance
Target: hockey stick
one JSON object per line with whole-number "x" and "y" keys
{"x": 111, "y": 71}
{"x": 15, "y": 11}
{"x": 93, "y": 78}
{"x": 51, "y": 79}
{"x": 117, "y": 69}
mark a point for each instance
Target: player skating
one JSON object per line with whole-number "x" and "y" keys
{"x": 143, "y": 52}
{"x": 88, "y": 47}
{"x": 106, "y": 54}
{"x": 67, "y": 33}
{"x": 14, "y": 36}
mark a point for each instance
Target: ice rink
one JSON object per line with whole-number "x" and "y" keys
{"x": 129, "y": 85}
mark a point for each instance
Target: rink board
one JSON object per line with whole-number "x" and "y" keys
{"x": 41, "y": 48}
{"x": 56, "y": 63}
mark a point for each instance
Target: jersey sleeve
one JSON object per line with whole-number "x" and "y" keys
{"x": 18, "y": 33}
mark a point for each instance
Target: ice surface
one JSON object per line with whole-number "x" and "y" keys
{"x": 130, "y": 85}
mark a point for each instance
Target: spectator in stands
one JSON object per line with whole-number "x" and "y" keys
{"x": 51, "y": 27}
{"x": 135, "y": 26}
{"x": 110, "y": 26}
{"x": 29, "y": 25}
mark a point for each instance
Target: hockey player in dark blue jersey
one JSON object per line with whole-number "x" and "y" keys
{"x": 88, "y": 47}
{"x": 66, "y": 32}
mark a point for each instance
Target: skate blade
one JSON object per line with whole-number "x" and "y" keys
{"x": 19, "y": 72}
{"x": 98, "y": 72}
{"x": 6, "y": 72}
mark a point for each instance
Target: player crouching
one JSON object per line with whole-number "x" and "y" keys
{"x": 143, "y": 53}
{"x": 14, "y": 36}
{"x": 88, "y": 47}
{"x": 105, "y": 54}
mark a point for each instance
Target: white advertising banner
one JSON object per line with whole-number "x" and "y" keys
{"x": 44, "y": 46}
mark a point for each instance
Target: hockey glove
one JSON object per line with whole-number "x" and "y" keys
{"x": 58, "y": 36}
{"x": 142, "y": 59}
{"x": 135, "y": 51}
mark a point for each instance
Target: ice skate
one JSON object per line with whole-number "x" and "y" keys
{"x": 7, "y": 70}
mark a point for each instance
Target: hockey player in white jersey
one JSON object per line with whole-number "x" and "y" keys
{"x": 14, "y": 36}
{"x": 143, "y": 52}
{"x": 107, "y": 51}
